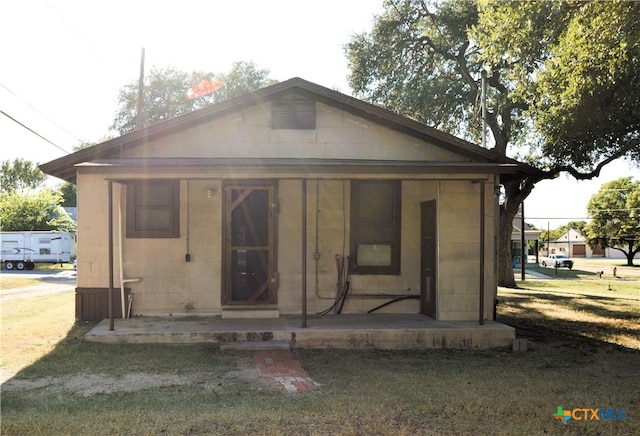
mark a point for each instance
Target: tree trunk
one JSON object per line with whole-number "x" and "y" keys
{"x": 631, "y": 253}
{"x": 514, "y": 195}
{"x": 505, "y": 258}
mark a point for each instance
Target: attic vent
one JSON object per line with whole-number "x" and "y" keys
{"x": 293, "y": 114}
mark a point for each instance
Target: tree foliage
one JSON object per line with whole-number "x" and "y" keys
{"x": 34, "y": 211}
{"x": 69, "y": 193}
{"x": 424, "y": 60}
{"x": 575, "y": 65}
{"x": 615, "y": 217}
{"x": 166, "y": 93}
{"x": 20, "y": 175}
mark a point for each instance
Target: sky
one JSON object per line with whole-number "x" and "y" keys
{"x": 62, "y": 63}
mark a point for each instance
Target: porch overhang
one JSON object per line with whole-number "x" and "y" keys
{"x": 294, "y": 168}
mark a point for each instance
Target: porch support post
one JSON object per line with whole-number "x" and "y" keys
{"x": 304, "y": 253}
{"x": 482, "y": 244}
{"x": 110, "y": 213}
{"x": 523, "y": 243}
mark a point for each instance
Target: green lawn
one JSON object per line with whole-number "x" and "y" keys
{"x": 584, "y": 352}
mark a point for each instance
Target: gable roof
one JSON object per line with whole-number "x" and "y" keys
{"x": 530, "y": 234}
{"x": 65, "y": 167}
{"x": 571, "y": 234}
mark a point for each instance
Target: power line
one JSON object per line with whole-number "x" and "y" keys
{"x": 32, "y": 131}
{"x": 49, "y": 119}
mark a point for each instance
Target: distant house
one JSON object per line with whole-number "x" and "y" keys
{"x": 267, "y": 204}
{"x": 573, "y": 244}
{"x": 530, "y": 234}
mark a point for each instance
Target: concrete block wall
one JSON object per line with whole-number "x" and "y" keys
{"x": 172, "y": 285}
{"x": 459, "y": 251}
{"x": 338, "y": 135}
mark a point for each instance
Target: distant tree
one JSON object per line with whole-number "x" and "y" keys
{"x": 615, "y": 217}
{"x": 84, "y": 145}
{"x": 168, "y": 93}
{"x": 69, "y": 191}
{"x": 34, "y": 211}
{"x": 243, "y": 77}
{"x": 20, "y": 175}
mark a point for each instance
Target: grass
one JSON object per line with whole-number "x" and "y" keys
{"x": 33, "y": 327}
{"x": 588, "y": 269}
{"x": 584, "y": 353}
{"x": 9, "y": 282}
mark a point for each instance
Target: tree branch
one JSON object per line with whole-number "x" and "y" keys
{"x": 554, "y": 171}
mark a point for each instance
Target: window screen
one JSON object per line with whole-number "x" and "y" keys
{"x": 375, "y": 226}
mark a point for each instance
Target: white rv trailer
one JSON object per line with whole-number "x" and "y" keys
{"x": 22, "y": 250}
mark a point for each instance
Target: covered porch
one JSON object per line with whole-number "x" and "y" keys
{"x": 352, "y": 331}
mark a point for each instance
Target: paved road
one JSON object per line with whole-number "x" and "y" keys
{"x": 52, "y": 281}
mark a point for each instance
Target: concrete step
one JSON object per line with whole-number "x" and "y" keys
{"x": 255, "y": 346}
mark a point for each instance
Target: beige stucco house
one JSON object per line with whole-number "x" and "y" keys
{"x": 281, "y": 201}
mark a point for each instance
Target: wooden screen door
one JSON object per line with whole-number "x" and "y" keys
{"x": 249, "y": 245}
{"x": 428, "y": 258}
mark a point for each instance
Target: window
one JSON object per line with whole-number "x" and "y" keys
{"x": 153, "y": 209}
{"x": 10, "y": 247}
{"x": 293, "y": 114}
{"x": 375, "y": 226}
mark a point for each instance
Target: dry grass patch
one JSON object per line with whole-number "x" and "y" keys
{"x": 32, "y": 327}
{"x": 581, "y": 308}
{"x": 9, "y": 282}
{"x": 88, "y": 388}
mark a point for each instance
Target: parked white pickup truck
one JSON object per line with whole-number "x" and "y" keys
{"x": 557, "y": 261}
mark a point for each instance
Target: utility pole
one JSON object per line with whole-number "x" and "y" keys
{"x": 483, "y": 101}
{"x": 140, "y": 93}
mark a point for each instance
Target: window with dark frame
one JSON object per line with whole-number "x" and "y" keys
{"x": 153, "y": 209}
{"x": 375, "y": 226}
{"x": 293, "y": 114}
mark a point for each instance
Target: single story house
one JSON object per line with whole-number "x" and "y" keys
{"x": 530, "y": 234}
{"x": 573, "y": 244}
{"x": 292, "y": 199}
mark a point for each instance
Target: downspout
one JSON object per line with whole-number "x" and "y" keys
{"x": 124, "y": 313}
{"x": 123, "y": 281}
{"x": 304, "y": 253}
{"x": 110, "y": 211}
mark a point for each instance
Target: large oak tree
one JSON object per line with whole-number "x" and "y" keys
{"x": 552, "y": 102}
{"x": 615, "y": 217}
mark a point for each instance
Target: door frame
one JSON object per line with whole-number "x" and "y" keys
{"x": 429, "y": 258}
{"x": 227, "y": 247}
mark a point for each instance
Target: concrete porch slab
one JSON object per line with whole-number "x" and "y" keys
{"x": 379, "y": 331}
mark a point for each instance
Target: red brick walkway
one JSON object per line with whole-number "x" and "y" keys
{"x": 281, "y": 369}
